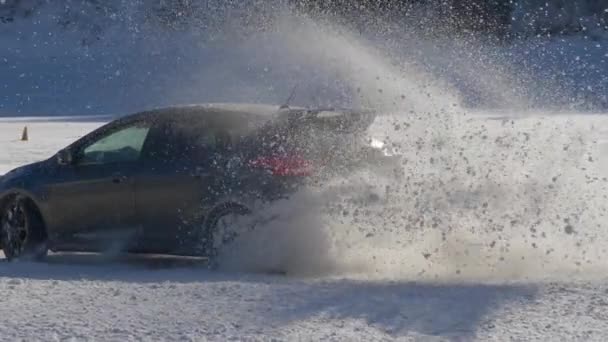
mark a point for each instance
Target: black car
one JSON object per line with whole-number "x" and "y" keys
{"x": 165, "y": 181}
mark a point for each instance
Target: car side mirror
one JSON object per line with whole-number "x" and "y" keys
{"x": 64, "y": 157}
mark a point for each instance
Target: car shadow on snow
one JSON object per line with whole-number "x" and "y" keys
{"x": 452, "y": 310}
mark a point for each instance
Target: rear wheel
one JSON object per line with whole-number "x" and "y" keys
{"x": 222, "y": 229}
{"x": 22, "y": 232}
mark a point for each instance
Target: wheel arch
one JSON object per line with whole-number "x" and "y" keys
{"x": 223, "y": 209}
{"x": 206, "y": 234}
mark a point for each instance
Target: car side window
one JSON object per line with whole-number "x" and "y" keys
{"x": 187, "y": 141}
{"x": 123, "y": 145}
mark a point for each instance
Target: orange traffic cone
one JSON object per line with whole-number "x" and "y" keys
{"x": 24, "y": 135}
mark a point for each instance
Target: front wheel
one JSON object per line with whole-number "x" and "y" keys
{"x": 21, "y": 231}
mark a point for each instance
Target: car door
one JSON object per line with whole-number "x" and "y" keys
{"x": 172, "y": 184}
{"x": 93, "y": 199}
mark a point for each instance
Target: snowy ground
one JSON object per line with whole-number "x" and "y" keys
{"x": 85, "y": 297}
{"x": 45, "y": 138}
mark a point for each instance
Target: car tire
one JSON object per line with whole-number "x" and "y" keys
{"x": 22, "y": 231}
{"x": 218, "y": 233}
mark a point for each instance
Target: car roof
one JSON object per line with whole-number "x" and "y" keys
{"x": 230, "y": 113}
{"x": 261, "y": 110}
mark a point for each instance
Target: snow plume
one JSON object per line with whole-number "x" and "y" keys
{"x": 490, "y": 199}
{"x": 482, "y": 200}
{"x": 292, "y": 239}
{"x": 468, "y": 198}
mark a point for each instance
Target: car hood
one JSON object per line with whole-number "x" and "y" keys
{"x": 19, "y": 173}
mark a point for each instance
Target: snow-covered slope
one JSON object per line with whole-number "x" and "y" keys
{"x": 119, "y": 56}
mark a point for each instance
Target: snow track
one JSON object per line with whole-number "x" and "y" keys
{"x": 85, "y": 298}
{"x": 88, "y": 297}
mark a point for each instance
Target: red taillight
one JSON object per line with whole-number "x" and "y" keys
{"x": 284, "y": 165}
